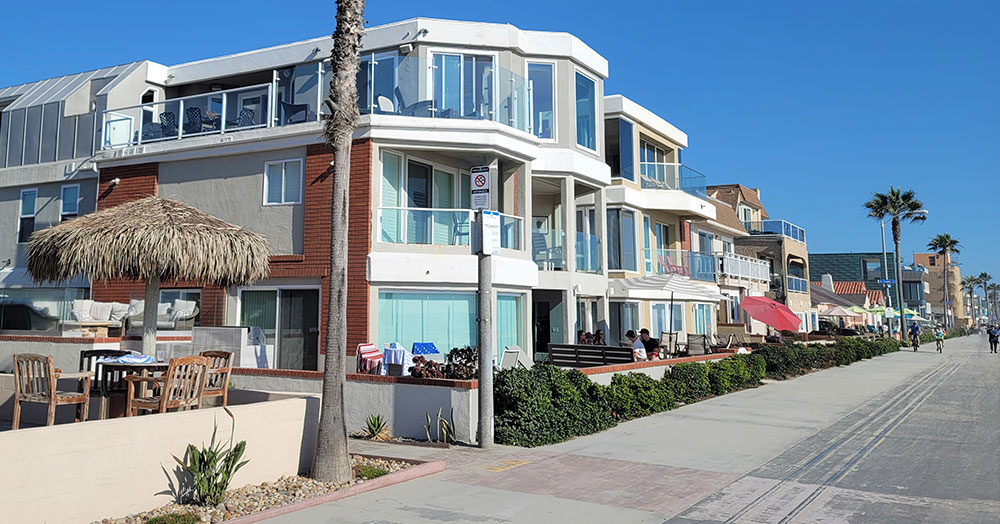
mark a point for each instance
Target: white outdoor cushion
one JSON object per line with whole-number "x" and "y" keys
{"x": 163, "y": 309}
{"x": 101, "y": 311}
{"x": 82, "y": 304}
{"x": 118, "y": 311}
{"x": 135, "y": 307}
{"x": 82, "y": 315}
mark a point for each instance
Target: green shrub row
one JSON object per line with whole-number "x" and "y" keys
{"x": 545, "y": 404}
{"x": 927, "y": 336}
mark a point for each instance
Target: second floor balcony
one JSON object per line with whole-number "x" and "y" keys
{"x": 742, "y": 267}
{"x": 797, "y": 285}
{"x": 697, "y": 266}
{"x": 441, "y": 227}
{"x": 666, "y": 175}
{"x": 776, "y": 227}
{"x": 547, "y": 250}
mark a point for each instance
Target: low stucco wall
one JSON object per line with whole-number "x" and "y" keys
{"x": 402, "y": 402}
{"x": 109, "y": 468}
{"x": 65, "y": 351}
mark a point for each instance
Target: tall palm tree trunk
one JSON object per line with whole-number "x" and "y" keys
{"x": 897, "y": 233}
{"x": 331, "y": 462}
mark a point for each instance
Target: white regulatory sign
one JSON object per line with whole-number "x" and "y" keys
{"x": 480, "y": 187}
{"x": 491, "y": 233}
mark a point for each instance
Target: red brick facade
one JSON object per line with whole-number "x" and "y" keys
{"x": 685, "y": 235}
{"x": 137, "y": 181}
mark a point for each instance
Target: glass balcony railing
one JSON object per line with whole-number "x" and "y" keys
{"x": 738, "y": 266}
{"x": 666, "y": 175}
{"x": 776, "y": 227}
{"x": 588, "y": 253}
{"x": 511, "y": 231}
{"x": 698, "y": 266}
{"x": 439, "y": 227}
{"x": 39, "y": 310}
{"x": 210, "y": 113}
{"x": 547, "y": 248}
{"x": 446, "y": 85}
{"x": 798, "y": 285}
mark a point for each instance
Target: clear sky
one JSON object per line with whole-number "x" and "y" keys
{"x": 816, "y": 102}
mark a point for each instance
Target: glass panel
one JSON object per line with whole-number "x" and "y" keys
{"x": 447, "y": 85}
{"x": 508, "y": 322}
{"x": 26, "y": 227}
{"x": 510, "y": 232}
{"x": 183, "y": 308}
{"x": 392, "y": 171}
{"x": 70, "y": 200}
{"x": 273, "y": 182}
{"x": 540, "y": 77}
{"x": 647, "y": 254}
{"x": 477, "y": 86}
{"x": 626, "y": 152}
{"x": 293, "y": 181}
{"x": 443, "y": 198}
{"x": 298, "y": 343}
{"x": 628, "y": 240}
{"x": 418, "y": 195}
{"x": 448, "y": 320}
{"x": 362, "y": 82}
{"x": 4, "y": 128}
{"x": 586, "y": 122}
{"x": 85, "y": 135}
{"x": 546, "y": 245}
{"x": 658, "y": 323}
{"x": 614, "y": 240}
{"x": 465, "y": 192}
{"x": 28, "y": 202}
{"x": 260, "y": 309}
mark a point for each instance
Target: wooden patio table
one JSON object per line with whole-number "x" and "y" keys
{"x": 114, "y": 373}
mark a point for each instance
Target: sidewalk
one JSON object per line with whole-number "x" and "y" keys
{"x": 651, "y": 469}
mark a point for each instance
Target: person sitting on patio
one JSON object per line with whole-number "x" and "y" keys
{"x": 638, "y": 348}
{"x": 651, "y": 344}
{"x": 599, "y": 338}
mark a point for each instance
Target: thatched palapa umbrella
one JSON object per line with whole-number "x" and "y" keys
{"x": 150, "y": 239}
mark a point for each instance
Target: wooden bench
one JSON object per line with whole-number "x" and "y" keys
{"x": 584, "y": 356}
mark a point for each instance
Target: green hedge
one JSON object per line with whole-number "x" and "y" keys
{"x": 545, "y": 404}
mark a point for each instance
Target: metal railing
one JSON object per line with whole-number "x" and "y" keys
{"x": 448, "y": 85}
{"x": 698, "y": 266}
{"x": 669, "y": 175}
{"x": 547, "y": 248}
{"x": 739, "y": 266}
{"x": 797, "y": 285}
{"x": 776, "y": 227}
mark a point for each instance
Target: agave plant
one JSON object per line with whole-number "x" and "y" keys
{"x": 376, "y": 428}
{"x": 213, "y": 467}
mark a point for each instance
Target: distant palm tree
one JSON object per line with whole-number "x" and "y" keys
{"x": 969, "y": 285}
{"x": 945, "y": 245}
{"x": 984, "y": 281}
{"x": 900, "y": 205}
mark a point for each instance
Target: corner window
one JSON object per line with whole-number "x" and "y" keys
{"x": 871, "y": 269}
{"x": 70, "y": 199}
{"x": 621, "y": 240}
{"x": 26, "y": 223}
{"x": 540, "y": 81}
{"x": 619, "y": 148}
{"x": 283, "y": 182}
{"x": 586, "y": 112}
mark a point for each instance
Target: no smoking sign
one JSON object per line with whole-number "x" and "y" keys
{"x": 480, "y": 187}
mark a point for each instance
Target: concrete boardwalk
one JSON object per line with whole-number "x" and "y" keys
{"x": 908, "y": 438}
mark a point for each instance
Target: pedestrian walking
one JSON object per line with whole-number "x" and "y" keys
{"x": 994, "y": 334}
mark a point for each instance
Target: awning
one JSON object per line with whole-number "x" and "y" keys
{"x": 660, "y": 287}
{"x": 18, "y": 277}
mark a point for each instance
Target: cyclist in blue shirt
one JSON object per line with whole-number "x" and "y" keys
{"x": 915, "y": 335}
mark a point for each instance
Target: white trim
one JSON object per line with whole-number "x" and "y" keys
{"x": 302, "y": 168}
{"x": 555, "y": 98}
{"x": 620, "y": 105}
{"x": 576, "y": 119}
{"x": 20, "y": 210}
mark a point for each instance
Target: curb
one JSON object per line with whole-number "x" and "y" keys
{"x": 419, "y": 469}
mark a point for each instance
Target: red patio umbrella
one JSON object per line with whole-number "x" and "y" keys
{"x": 774, "y": 314}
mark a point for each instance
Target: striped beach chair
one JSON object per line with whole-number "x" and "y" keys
{"x": 369, "y": 359}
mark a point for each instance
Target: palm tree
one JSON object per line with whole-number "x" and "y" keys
{"x": 969, "y": 285}
{"x": 945, "y": 245}
{"x": 900, "y": 205}
{"x": 984, "y": 279}
{"x": 331, "y": 463}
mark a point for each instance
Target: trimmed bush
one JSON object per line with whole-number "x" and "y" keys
{"x": 635, "y": 395}
{"x": 795, "y": 359}
{"x": 689, "y": 381}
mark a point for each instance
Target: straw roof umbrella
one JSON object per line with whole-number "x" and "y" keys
{"x": 149, "y": 239}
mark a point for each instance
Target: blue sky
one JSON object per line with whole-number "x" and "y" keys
{"x": 818, "y": 103}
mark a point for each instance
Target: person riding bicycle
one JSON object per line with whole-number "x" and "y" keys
{"x": 939, "y": 338}
{"x": 915, "y": 335}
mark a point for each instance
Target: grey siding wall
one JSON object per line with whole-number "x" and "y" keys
{"x": 48, "y": 209}
{"x": 232, "y": 188}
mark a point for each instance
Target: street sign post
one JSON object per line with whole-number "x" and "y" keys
{"x": 887, "y": 281}
{"x": 480, "y": 187}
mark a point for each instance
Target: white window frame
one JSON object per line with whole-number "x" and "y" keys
{"x": 739, "y": 212}
{"x": 597, "y": 131}
{"x": 62, "y": 201}
{"x": 555, "y": 100}
{"x": 302, "y": 168}
{"x": 670, "y": 321}
{"x": 20, "y": 210}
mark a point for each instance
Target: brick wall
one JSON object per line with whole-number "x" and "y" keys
{"x": 685, "y": 235}
{"x": 135, "y": 182}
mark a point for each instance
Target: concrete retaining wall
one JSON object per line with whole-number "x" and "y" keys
{"x": 110, "y": 468}
{"x": 65, "y": 351}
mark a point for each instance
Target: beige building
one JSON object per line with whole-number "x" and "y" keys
{"x": 935, "y": 265}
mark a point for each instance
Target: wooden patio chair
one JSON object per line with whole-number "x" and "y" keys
{"x": 35, "y": 379}
{"x": 220, "y": 365}
{"x": 181, "y": 387}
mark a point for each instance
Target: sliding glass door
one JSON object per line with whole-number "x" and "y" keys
{"x": 290, "y": 321}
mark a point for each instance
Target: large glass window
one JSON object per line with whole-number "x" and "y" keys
{"x": 26, "y": 221}
{"x": 376, "y": 83}
{"x": 703, "y": 319}
{"x": 184, "y": 307}
{"x": 289, "y": 319}
{"x": 626, "y": 154}
{"x": 70, "y": 202}
{"x": 663, "y": 316}
{"x": 653, "y": 166}
{"x": 586, "y": 112}
{"x": 621, "y": 240}
{"x": 647, "y": 253}
{"x": 623, "y": 316}
{"x": 508, "y": 322}
{"x": 446, "y": 319}
{"x": 463, "y": 86}
{"x": 541, "y": 78}
{"x": 283, "y": 182}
